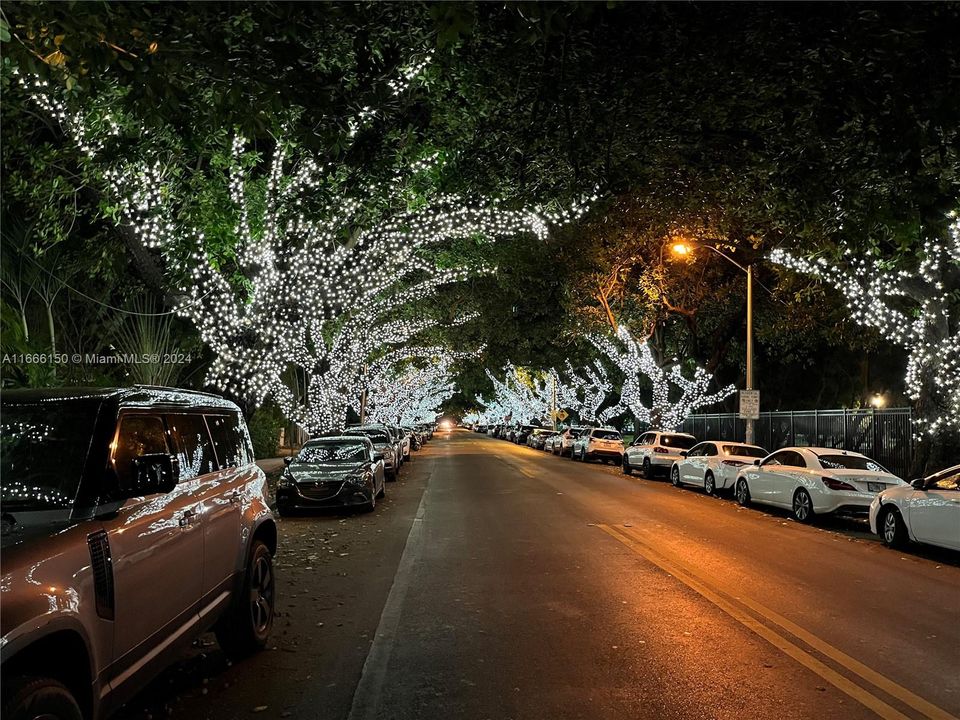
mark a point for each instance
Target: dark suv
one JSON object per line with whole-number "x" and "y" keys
{"x": 133, "y": 520}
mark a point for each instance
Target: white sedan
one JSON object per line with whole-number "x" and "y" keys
{"x": 927, "y": 511}
{"x": 814, "y": 481}
{"x": 713, "y": 465}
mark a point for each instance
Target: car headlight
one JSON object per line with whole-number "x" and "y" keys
{"x": 363, "y": 478}
{"x": 286, "y": 480}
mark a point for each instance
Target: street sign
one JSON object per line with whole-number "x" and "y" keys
{"x": 750, "y": 404}
{"x": 560, "y": 415}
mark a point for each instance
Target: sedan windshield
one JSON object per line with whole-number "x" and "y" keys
{"x": 43, "y": 449}
{"x": 335, "y": 451}
{"x": 850, "y": 462}
{"x": 678, "y": 441}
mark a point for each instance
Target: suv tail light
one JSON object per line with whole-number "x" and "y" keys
{"x": 661, "y": 450}
{"x": 834, "y": 484}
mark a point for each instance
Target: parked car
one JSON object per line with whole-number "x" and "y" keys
{"x": 403, "y": 438}
{"x": 134, "y": 520}
{"x": 383, "y": 443}
{"x": 927, "y": 511}
{"x": 814, "y": 481}
{"x": 338, "y": 471}
{"x": 599, "y": 443}
{"x": 538, "y": 437}
{"x": 521, "y": 434}
{"x": 565, "y": 446}
{"x": 654, "y": 453}
{"x": 551, "y": 444}
{"x": 416, "y": 442}
{"x": 714, "y": 465}
{"x": 480, "y": 428}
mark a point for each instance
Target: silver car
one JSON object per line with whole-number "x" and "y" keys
{"x": 133, "y": 520}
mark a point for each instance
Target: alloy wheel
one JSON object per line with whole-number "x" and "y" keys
{"x": 802, "y": 506}
{"x": 675, "y": 477}
{"x": 890, "y": 528}
{"x": 709, "y": 485}
{"x": 743, "y": 492}
{"x": 261, "y": 594}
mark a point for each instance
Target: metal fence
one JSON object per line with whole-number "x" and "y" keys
{"x": 884, "y": 435}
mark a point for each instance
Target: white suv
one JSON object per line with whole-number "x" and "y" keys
{"x": 599, "y": 443}
{"x": 655, "y": 452}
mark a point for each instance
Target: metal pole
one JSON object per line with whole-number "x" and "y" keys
{"x": 363, "y": 397}
{"x": 750, "y": 422}
{"x": 554, "y": 401}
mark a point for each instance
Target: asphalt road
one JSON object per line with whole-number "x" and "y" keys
{"x": 499, "y": 582}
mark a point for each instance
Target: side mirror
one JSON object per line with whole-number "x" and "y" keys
{"x": 288, "y": 459}
{"x": 917, "y": 484}
{"x": 151, "y": 474}
{"x": 683, "y": 453}
{"x": 757, "y": 461}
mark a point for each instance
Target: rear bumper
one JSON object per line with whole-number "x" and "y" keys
{"x": 843, "y": 504}
{"x": 605, "y": 452}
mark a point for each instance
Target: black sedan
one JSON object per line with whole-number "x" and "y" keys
{"x": 339, "y": 471}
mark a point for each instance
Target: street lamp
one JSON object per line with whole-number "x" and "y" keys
{"x": 684, "y": 248}
{"x": 878, "y": 401}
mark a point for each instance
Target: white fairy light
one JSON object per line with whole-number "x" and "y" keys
{"x": 635, "y": 360}
{"x": 910, "y": 309}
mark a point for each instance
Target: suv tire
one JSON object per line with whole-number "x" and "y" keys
{"x": 245, "y": 627}
{"x": 27, "y": 698}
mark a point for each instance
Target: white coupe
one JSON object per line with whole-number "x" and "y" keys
{"x": 927, "y": 510}
{"x": 713, "y": 465}
{"x": 814, "y": 481}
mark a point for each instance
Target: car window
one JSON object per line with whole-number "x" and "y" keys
{"x": 43, "y": 450}
{"x": 744, "y": 451}
{"x": 606, "y": 434}
{"x": 138, "y": 435}
{"x": 776, "y": 459}
{"x": 849, "y": 462}
{"x": 229, "y": 439}
{"x": 794, "y": 459}
{"x": 334, "y": 451}
{"x": 709, "y": 450}
{"x": 697, "y": 450}
{"x": 677, "y": 441}
{"x": 950, "y": 481}
{"x": 194, "y": 449}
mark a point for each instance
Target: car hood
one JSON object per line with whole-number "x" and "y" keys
{"x": 316, "y": 472}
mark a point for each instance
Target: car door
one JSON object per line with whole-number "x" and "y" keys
{"x": 784, "y": 481}
{"x": 634, "y": 452}
{"x": 156, "y": 545}
{"x": 764, "y": 478}
{"x": 934, "y": 512}
{"x": 708, "y": 455}
{"x": 688, "y": 466}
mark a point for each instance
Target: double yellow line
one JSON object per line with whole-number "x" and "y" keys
{"x": 750, "y": 614}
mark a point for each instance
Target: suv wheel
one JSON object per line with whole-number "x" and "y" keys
{"x": 28, "y": 698}
{"x": 245, "y": 627}
{"x": 627, "y": 470}
{"x": 646, "y": 468}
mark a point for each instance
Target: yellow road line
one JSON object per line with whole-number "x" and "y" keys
{"x": 729, "y": 606}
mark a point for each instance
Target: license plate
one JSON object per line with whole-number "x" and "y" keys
{"x": 875, "y": 487}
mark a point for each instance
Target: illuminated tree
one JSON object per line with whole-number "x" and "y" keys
{"x": 673, "y": 396}
{"x": 916, "y": 309}
{"x": 584, "y": 392}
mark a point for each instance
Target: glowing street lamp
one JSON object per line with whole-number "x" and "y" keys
{"x": 877, "y": 401}
{"x": 685, "y": 248}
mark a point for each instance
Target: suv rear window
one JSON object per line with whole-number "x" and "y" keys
{"x": 678, "y": 441}
{"x": 606, "y": 434}
{"x": 195, "y": 449}
{"x": 43, "y": 449}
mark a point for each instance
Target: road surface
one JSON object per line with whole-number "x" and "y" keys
{"x": 499, "y": 582}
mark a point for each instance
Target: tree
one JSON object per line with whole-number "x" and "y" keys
{"x": 918, "y": 309}
{"x": 666, "y": 410}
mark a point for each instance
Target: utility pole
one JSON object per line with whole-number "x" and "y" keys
{"x": 553, "y": 414}
{"x": 363, "y": 397}
{"x": 750, "y": 421}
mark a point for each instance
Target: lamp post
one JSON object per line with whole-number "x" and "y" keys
{"x": 685, "y": 248}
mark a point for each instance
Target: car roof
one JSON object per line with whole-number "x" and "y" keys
{"x": 733, "y": 442}
{"x": 818, "y": 451}
{"x": 671, "y": 432}
{"x": 135, "y": 396}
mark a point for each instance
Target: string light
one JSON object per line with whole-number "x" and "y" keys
{"x": 635, "y": 360}
{"x": 879, "y": 296}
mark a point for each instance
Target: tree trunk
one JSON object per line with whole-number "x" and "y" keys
{"x": 53, "y": 337}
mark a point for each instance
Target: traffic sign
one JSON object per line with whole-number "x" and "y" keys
{"x": 750, "y": 404}
{"x": 560, "y": 415}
